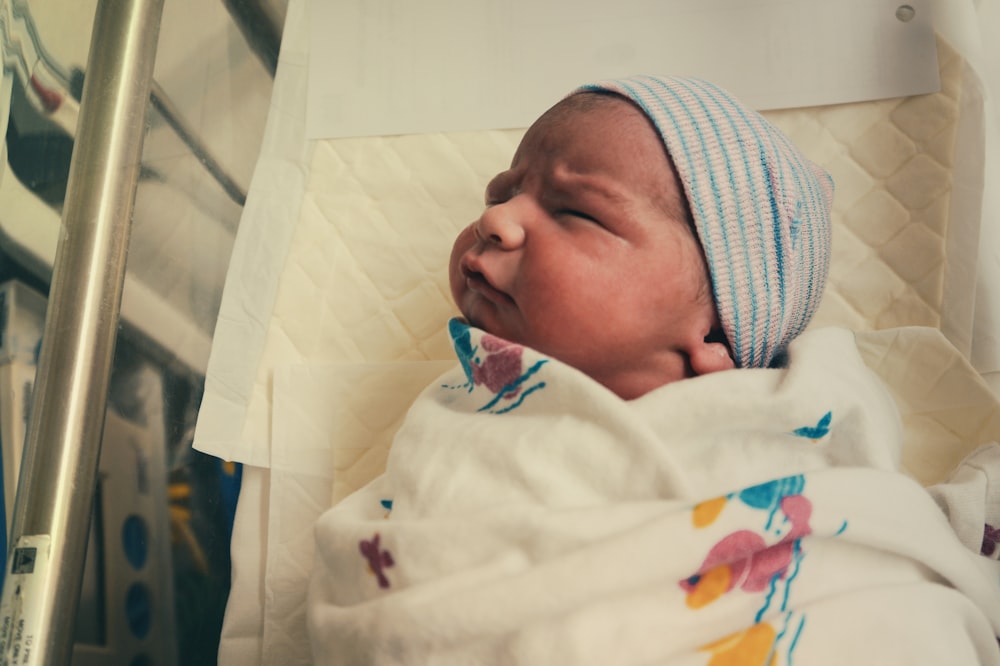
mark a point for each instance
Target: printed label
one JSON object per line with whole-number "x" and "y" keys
{"x": 23, "y": 597}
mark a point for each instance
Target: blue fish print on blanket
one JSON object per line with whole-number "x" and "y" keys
{"x": 818, "y": 431}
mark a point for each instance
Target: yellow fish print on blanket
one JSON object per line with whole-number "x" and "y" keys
{"x": 753, "y": 647}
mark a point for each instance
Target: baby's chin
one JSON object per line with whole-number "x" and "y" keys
{"x": 493, "y": 327}
{"x": 476, "y": 322}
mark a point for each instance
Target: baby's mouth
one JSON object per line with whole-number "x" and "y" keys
{"x": 479, "y": 283}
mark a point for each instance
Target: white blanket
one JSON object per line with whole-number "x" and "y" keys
{"x": 527, "y": 515}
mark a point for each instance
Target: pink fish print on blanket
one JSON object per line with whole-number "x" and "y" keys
{"x": 501, "y": 366}
{"x": 761, "y": 558}
{"x": 744, "y": 560}
{"x": 496, "y": 365}
{"x": 991, "y": 539}
{"x": 378, "y": 559}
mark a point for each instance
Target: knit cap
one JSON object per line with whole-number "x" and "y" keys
{"x": 761, "y": 209}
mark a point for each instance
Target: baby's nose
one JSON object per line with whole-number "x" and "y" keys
{"x": 501, "y": 225}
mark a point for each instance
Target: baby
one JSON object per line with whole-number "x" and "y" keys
{"x": 560, "y": 497}
{"x": 649, "y": 230}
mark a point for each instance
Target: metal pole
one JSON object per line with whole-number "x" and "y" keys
{"x": 55, "y": 494}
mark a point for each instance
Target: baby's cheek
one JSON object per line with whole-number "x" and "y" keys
{"x": 463, "y": 243}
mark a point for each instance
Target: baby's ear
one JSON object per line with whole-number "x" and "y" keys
{"x": 711, "y": 355}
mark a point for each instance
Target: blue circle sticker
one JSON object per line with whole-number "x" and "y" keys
{"x": 135, "y": 541}
{"x": 139, "y": 609}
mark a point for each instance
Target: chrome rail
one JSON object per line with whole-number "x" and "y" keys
{"x": 55, "y": 495}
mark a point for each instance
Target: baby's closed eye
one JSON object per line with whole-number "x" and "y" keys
{"x": 576, "y": 213}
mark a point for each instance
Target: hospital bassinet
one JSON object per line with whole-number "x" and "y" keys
{"x": 336, "y": 300}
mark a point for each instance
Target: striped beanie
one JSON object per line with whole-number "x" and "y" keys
{"x": 761, "y": 209}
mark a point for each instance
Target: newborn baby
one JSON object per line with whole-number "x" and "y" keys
{"x": 588, "y": 250}
{"x": 559, "y": 497}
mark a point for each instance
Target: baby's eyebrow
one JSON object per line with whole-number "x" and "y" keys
{"x": 568, "y": 182}
{"x": 500, "y": 182}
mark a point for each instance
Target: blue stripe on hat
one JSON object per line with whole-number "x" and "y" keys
{"x": 753, "y": 122}
{"x": 714, "y": 93}
{"x": 691, "y": 183}
{"x": 685, "y": 111}
{"x": 695, "y": 187}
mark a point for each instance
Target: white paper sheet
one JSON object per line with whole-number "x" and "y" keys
{"x": 358, "y": 406}
{"x": 398, "y": 67}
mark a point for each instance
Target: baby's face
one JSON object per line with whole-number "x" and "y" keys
{"x": 584, "y": 253}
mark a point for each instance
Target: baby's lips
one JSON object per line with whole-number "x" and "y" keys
{"x": 478, "y": 281}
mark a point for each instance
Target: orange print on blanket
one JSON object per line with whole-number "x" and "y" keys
{"x": 709, "y": 586}
{"x": 705, "y": 513}
{"x": 745, "y": 648}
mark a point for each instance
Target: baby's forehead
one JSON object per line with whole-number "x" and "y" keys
{"x": 598, "y": 132}
{"x": 610, "y": 118}
{"x": 605, "y": 107}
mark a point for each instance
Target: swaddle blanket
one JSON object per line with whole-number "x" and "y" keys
{"x": 528, "y": 515}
